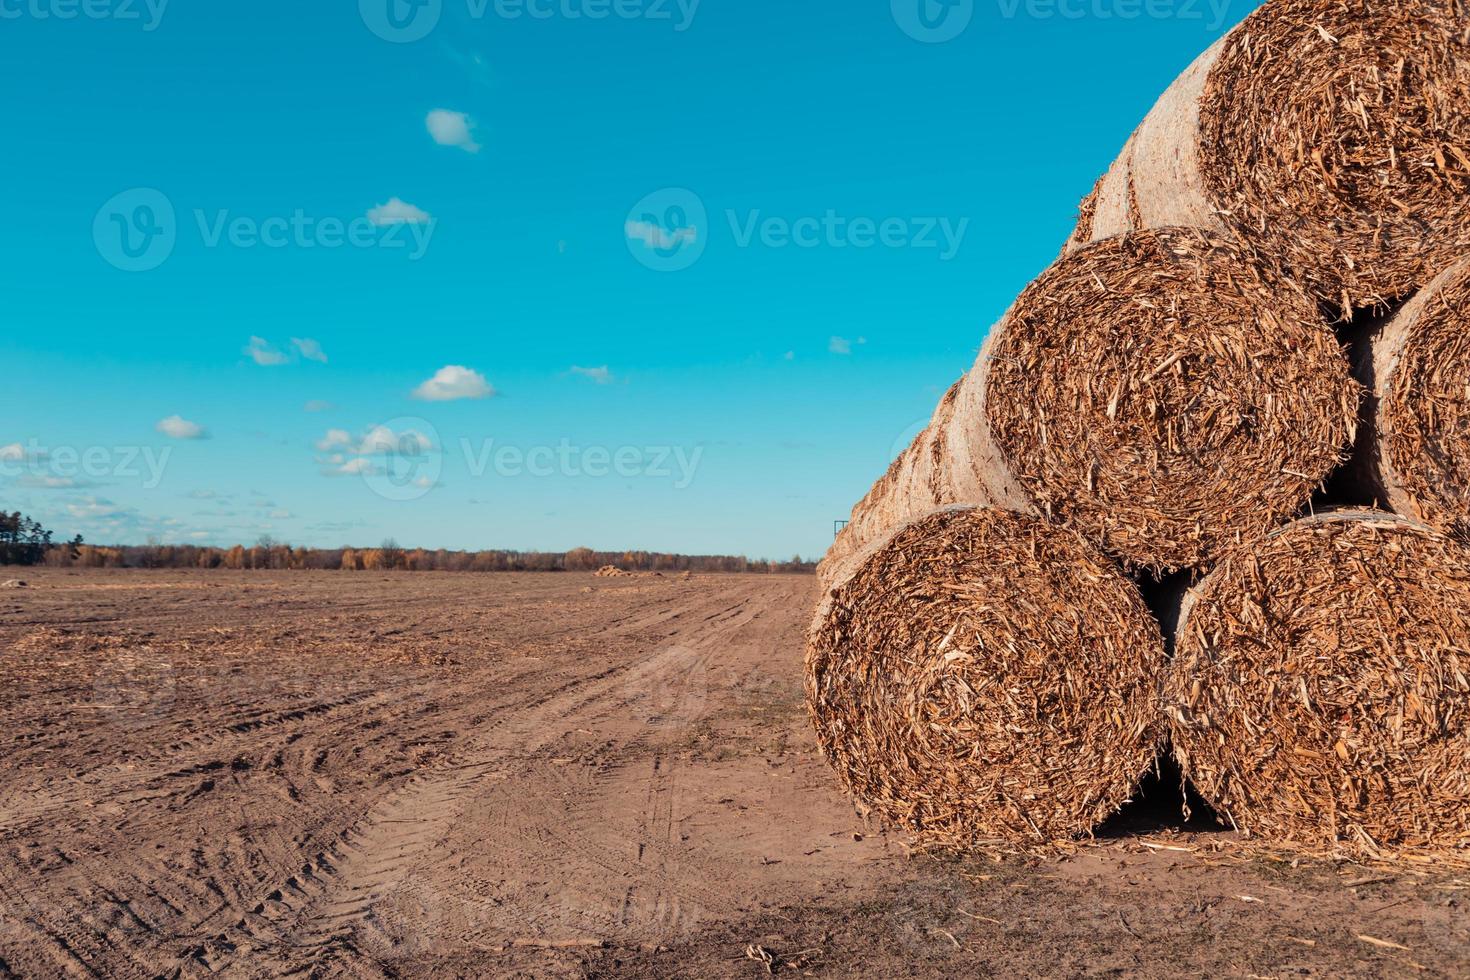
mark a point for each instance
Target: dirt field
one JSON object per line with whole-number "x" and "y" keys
{"x": 490, "y": 775}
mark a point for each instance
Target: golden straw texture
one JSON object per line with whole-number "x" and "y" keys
{"x": 1336, "y": 136}
{"x": 1421, "y": 376}
{"x": 1161, "y": 395}
{"x": 1320, "y": 693}
{"x": 984, "y": 675}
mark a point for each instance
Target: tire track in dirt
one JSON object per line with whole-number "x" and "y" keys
{"x": 326, "y": 908}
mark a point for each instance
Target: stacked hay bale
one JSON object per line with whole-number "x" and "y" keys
{"x": 1167, "y": 397}
{"x": 1320, "y": 692}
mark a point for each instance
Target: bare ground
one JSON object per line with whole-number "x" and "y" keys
{"x": 268, "y": 774}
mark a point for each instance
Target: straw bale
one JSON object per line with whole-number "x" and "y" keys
{"x": 984, "y": 675}
{"x": 1333, "y": 136}
{"x": 1320, "y": 694}
{"x": 1417, "y": 454}
{"x": 1162, "y": 395}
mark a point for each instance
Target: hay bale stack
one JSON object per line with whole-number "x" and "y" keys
{"x": 1162, "y": 395}
{"x": 1416, "y": 452}
{"x": 1331, "y": 135}
{"x": 1321, "y": 688}
{"x": 982, "y": 675}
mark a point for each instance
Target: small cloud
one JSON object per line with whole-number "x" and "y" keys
{"x": 453, "y": 383}
{"x": 281, "y": 515}
{"x": 13, "y": 453}
{"x": 383, "y": 441}
{"x": 345, "y": 455}
{"x": 177, "y": 427}
{"x": 790, "y": 355}
{"x": 203, "y": 494}
{"x": 654, "y": 236}
{"x": 309, "y": 349}
{"x": 601, "y": 375}
{"x": 841, "y": 345}
{"x": 319, "y": 406}
{"x": 333, "y": 440}
{"x": 32, "y": 481}
{"x": 359, "y": 467}
{"x": 451, "y": 128}
{"x": 398, "y": 212}
{"x": 262, "y": 353}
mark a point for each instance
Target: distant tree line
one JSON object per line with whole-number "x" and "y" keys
{"x": 25, "y": 542}
{"x": 387, "y": 557}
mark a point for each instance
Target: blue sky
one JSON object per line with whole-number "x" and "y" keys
{"x": 458, "y": 289}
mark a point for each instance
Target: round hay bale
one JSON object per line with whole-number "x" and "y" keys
{"x": 1320, "y": 693}
{"x": 1418, "y": 452}
{"x": 983, "y": 675}
{"x": 1332, "y": 135}
{"x": 1162, "y": 395}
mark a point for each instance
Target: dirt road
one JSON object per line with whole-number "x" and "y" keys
{"x": 472, "y": 775}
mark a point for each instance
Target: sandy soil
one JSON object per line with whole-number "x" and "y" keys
{"x": 505, "y": 775}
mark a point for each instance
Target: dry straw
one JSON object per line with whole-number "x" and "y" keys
{"x": 982, "y": 675}
{"x": 1417, "y": 451}
{"x": 1320, "y": 693}
{"x": 1332, "y": 135}
{"x": 1164, "y": 397}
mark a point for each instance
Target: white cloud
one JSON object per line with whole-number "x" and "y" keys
{"x": 841, "y": 345}
{"x": 177, "y": 427}
{"x": 309, "y": 349}
{"x": 654, "y": 236}
{"x": 346, "y": 455}
{"x": 261, "y": 352}
{"x": 398, "y": 212}
{"x": 451, "y": 128}
{"x": 281, "y": 515}
{"x": 452, "y": 383}
{"x": 599, "y": 374}
{"x": 790, "y": 355}
{"x": 383, "y": 441}
{"x": 334, "y": 439}
{"x": 34, "y": 481}
{"x": 316, "y": 405}
{"x": 13, "y": 453}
